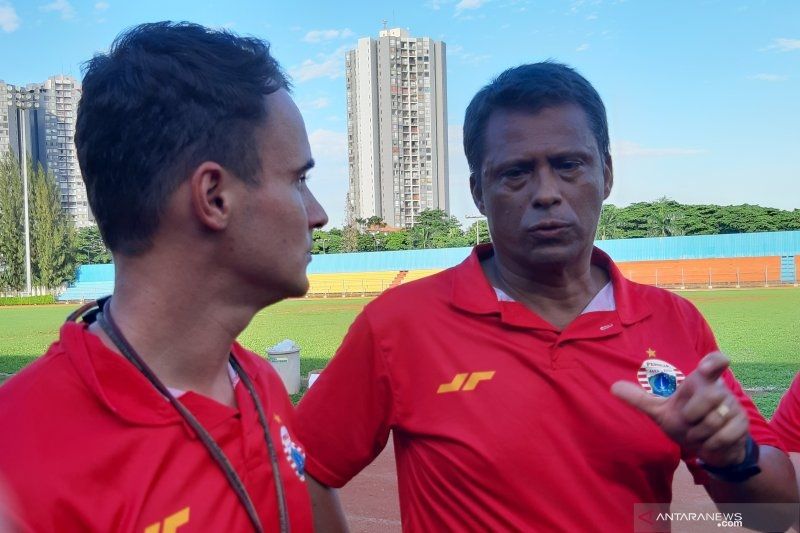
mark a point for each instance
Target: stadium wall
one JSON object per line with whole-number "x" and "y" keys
{"x": 725, "y": 260}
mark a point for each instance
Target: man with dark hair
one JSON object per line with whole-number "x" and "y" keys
{"x": 147, "y": 415}
{"x": 495, "y": 377}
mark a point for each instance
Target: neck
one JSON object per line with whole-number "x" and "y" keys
{"x": 182, "y": 329}
{"x": 557, "y": 293}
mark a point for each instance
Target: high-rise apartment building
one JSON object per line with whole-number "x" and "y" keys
{"x": 49, "y": 136}
{"x": 397, "y": 127}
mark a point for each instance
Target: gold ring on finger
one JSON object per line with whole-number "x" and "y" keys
{"x": 723, "y": 410}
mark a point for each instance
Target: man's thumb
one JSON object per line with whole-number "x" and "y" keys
{"x": 713, "y": 365}
{"x": 636, "y": 396}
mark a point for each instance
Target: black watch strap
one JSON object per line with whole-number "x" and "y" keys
{"x": 739, "y": 472}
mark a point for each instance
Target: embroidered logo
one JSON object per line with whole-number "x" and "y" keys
{"x": 295, "y": 455}
{"x": 659, "y": 377}
{"x": 171, "y": 523}
{"x": 465, "y": 382}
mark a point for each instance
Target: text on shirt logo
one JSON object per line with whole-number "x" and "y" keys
{"x": 171, "y": 523}
{"x": 605, "y": 327}
{"x": 465, "y": 382}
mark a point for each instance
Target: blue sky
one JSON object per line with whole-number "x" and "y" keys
{"x": 703, "y": 96}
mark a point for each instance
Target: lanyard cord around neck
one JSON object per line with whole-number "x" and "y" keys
{"x": 106, "y": 322}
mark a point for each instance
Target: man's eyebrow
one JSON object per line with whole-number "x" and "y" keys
{"x": 306, "y": 167}
{"x": 572, "y": 152}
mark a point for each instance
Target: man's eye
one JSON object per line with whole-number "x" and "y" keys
{"x": 570, "y": 166}
{"x": 512, "y": 173}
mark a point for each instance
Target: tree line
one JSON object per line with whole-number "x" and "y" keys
{"x": 667, "y": 218}
{"x": 661, "y": 218}
{"x": 56, "y": 247}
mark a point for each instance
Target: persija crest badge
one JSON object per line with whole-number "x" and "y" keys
{"x": 294, "y": 454}
{"x": 659, "y": 377}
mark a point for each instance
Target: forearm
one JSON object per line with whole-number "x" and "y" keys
{"x": 795, "y": 457}
{"x": 776, "y": 484}
{"x": 327, "y": 509}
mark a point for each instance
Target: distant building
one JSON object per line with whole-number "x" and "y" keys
{"x": 397, "y": 127}
{"x": 49, "y": 136}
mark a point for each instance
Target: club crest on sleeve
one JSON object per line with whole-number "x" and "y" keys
{"x": 659, "y": 377}
{"x": 295, "y": 455}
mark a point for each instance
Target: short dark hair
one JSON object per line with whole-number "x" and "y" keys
{"x": 531, "y": 88}
{"x": 165, "y": 98}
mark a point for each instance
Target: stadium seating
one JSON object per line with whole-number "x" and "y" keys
{"x": 419, "y": 274}
{"x": 87, "y": 290}
{"x": 350, "y": 283}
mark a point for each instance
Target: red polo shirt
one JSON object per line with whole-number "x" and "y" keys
{"x": 500, "y": 421}
{"x": 786, "y": 420}
{"x": 88, "y": 444}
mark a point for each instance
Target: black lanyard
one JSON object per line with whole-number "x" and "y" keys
{"x": 106, "y": 322}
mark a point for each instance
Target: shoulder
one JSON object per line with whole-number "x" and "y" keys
{"x": 663, "y": 301}
{"x": 42, "y": 383}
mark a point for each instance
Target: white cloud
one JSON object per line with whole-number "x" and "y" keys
{"x": 318, "y": 36}
{"x": 436, "y": 5}
{"x": 318, "y": 103}
{"x": 9, "y": 21}
{"x": 102, "y": 6}
{"x": 466, "y": 58}
{"x": 784, "y": 45}
{"x": 324, "y": 66}
{"x": 465, "y": 5}
{"x": 60, "y": 6}
{"x": 474, "y": 59}
{"x": 328, "y": 144}
{"x": 583, "y": 47}
{"x": 768, "y": 77}
{"x": 632, "y": 149}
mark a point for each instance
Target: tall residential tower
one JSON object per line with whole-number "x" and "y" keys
{"x": 397, "y": 127}
{"x": 49, "y": 136}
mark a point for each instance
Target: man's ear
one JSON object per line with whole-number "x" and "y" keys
{"x": 608, "y": 176}
{"x": 210, "y": 186}
{"x": 477, "y": 192}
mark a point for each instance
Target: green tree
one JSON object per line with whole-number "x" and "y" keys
{"x": 397, "y": 240}
{"x": 90, "y": 248}
{"x": 366, "y": 242}
{"x": 350, "y": 235}
{"x": 477, "y": 232}
{"x": 664, "y": 219}
{"x": 12, "y": 238}
{"x": 52, "y": 232}
{"x": 608, "y": 225}
{"x": 436, "y": 229}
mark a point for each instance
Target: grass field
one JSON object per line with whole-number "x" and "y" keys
{"x": 759, "y": 330}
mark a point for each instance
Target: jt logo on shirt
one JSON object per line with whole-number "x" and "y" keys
{"x": 171, "y": 523}
{"x": 465, "y": 382}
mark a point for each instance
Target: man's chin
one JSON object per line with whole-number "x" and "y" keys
{"x": 554, "y": 253}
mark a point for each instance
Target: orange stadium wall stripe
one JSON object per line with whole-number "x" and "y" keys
{"x": 738, "y": 271}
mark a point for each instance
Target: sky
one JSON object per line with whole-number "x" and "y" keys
{"x": 703, "y": 96}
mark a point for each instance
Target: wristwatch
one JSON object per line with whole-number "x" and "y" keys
{"x": 739, "y": 472}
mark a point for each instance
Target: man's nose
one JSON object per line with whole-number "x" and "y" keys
{"x": 317, "y": 217}
{"x": 546, "y": 188}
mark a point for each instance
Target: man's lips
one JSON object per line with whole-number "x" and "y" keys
{"x": 549, "y": 228}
